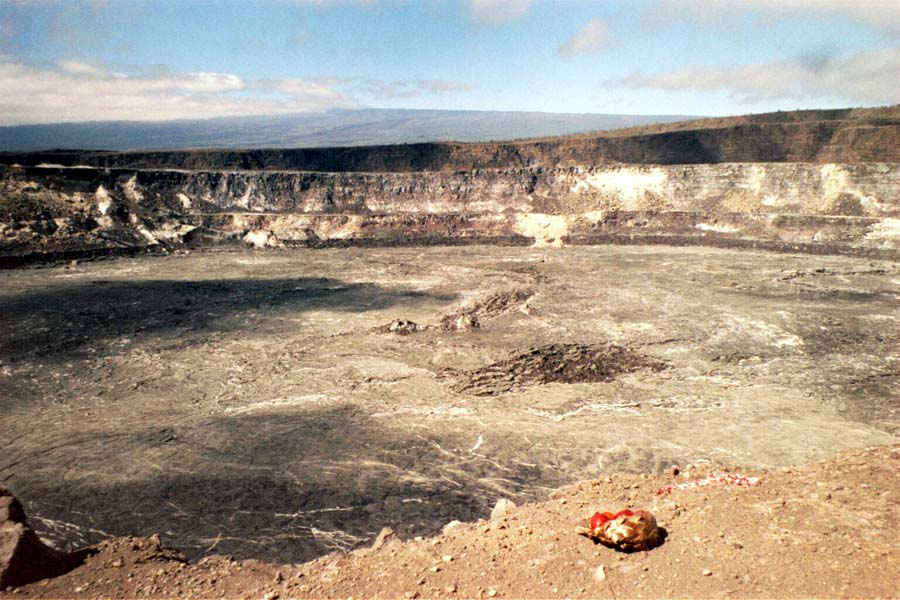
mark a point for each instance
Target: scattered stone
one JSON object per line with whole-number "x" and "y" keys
{"x": 450, "y": 526}
{"x": 261, "y": 239}
{"x": 707, "y": 572}
{"x": 447, "y": 558}
{"x": 463, "y": 322}
{"x": 403, "y": 327}
{"x": 600, "y": 573}
{"x": 492, "y": 306}
{"x": 503, "y": 507}
{"x": 385, "y": 536}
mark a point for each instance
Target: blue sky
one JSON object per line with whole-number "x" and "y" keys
{"x": 161, "y": 59}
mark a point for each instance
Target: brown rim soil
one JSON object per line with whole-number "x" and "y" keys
{"x": 825, "y": 530}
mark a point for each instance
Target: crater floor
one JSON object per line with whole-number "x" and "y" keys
{"x": 259, "y": 405}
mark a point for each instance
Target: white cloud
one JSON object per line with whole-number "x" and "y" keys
{"x": 441, "y": 86}
{"x": 499, "y": 11}
{"x": 75, "y": 91}
{"x": 412, "y": 88}
{"x": 593, "y": 37}
{"x": 302, "y": 88}
{"x": 79, "y": 91}
{"x": 79, "y": 68}
{"x": 866, "y": 77}
{"x": 881, "y": 14}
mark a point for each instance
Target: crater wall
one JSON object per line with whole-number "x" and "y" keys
{"x": 842, "y": 207}
{"x": 812, "y": 181}
{"x": 823, "y": 138}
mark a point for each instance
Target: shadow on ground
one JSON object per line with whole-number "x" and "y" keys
{"x": 67, "y": 318}
{"x": 283, "y": 486}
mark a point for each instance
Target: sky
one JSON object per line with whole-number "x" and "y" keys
{"x": 70, "y": 60}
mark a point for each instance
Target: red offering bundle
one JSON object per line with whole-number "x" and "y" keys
{"x": 625, "y": 530}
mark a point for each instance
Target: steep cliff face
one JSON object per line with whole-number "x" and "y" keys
{"x": 839, "y": 207}
{"x": 810, "y": 180}
{"x": 867, "y": 189}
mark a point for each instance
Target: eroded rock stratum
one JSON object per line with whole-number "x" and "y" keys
{"x": 821, "y": 182}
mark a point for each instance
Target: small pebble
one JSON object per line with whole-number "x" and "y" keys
{"x": 450, "y": 526}
{"x": 707, "y": 572}
{"x": 600, "y": 573}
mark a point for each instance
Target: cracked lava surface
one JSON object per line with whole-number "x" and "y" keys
{"x": 256, "y": 404}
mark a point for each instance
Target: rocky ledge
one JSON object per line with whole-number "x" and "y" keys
{"x": 52, "y": 212}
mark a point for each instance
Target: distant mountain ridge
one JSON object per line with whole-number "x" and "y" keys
{"x": 306, "y": 130}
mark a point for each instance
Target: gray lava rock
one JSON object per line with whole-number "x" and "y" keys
{"x": 403, "y": 327}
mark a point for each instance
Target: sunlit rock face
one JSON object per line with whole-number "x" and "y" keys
{"x": 833, "y": 207}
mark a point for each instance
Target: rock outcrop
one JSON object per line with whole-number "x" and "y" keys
{"x": 24, "y": 558}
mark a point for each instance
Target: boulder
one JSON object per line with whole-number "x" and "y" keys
{"x": 24, "y": 558}
{"x": 502, "y": 508}
{"x": 403, "y": 327}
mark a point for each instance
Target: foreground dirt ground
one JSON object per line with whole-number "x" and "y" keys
{"x": 827, "y": 530}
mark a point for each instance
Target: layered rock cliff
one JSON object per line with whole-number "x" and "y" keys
{"x": 814, "y": 181}
{"x": 57, "y": 209}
